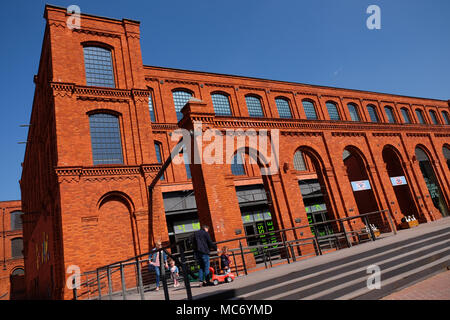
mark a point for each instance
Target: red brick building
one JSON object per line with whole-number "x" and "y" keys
{"x": 102, "y": 124}
{"x": 12, "y": 281}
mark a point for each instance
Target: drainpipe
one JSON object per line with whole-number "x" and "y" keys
{"x": 4, "y": 235}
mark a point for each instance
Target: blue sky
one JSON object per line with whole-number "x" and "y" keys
{"x": 322, "y": 42}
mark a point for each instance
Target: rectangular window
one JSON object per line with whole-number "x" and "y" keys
{"x": 98, "y": 66}
{"x": 106, "y": 139}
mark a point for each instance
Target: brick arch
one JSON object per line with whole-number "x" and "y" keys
{"x": 119, "y": 196}
{"x": 116, "y": 236}
{"x": 258, "y": 158}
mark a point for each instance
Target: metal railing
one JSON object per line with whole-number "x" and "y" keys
{"x": 131, "y": 277}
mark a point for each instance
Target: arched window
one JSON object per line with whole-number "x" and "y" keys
{"x": 16, "y": 247}
{"x": 180, "y": 98}
{"x": 16, "y": 220}
{"x": 159, "y": 155}
{"x": 332, "y": 111}
{"x": 18, "y": 272}
{"x": 445, "y": 116}
{"x": 150, "y": 108}
{"x": 221, "y": 104}
{"x": 353, "y": 110}
{"x": 446, "y": 152}
{"x": 106, "y": 139}
{"x": 98, "y": 66}
{"x": 420, "y": 117}
{"x": 284, "y": 111}
{"x": 390, "y": 114}
{"x": 237, "y": 164}
{"x": 405, "y": 115}
{"x": 310, "y": 111}
{"x": 254, "y": 106}
{"x": 372, "y": 113}
{"x": 433, "y": 117}
{"x": 299, "y": 161}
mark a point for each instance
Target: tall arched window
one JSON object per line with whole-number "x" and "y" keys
{"x": 433, "y": 117}
{"x": 372, "y": 113}
{"x": 254, "y": 106}
{"x": 353, "y": 110}
{"x": 16, "y": 220}
{"x": 310, "y": 110}
{"x": 221, "y": 104}
{"x": 237, "y": 164}
{"x": 180, "y": 98}
{"x": 150, "y": 108}
{"x": 445, "y": 117}
{"x": 405, "y": 115}
{"x": 332, "y": 111}
{"x": 390, "y": 114}
{"x": 98, "y": 67}
{"x": 299, "y": 161}
{"x": 16, "y": 248}
{"x": 420, "y": 117}
{"x": 159, "y": 155}
{"x": 106, "y": 139}
{"x": 284, "y": 111}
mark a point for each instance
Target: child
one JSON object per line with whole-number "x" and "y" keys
{"x": 225, "y": 260}
{"x": 174, "y": 273}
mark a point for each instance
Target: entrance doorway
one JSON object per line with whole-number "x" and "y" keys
{"x": 400, "y": 183}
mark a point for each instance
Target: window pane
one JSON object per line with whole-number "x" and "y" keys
{"x": 332, "y": 111}
{"x": 390, "y": 114}
{"x": 310, "y": 111}
{"x": 105, "y": 138}
{"x": 420, "y": 116}
{"x": 180, "y": 98}
{"x": 98, "y": 66}
{"x": 150, "y": 108}
{"x": 221, "y": 105}
{"x": 299, "y": 161}
{"x": 159, "y": 156}
{"x": 283, "y": 108}
{"x": 405, "y": 114}
{"x": 186, "y": 164}
{"x": 372, "y": 113}
{"x": 16, "y": 247}
{"x": 237, "y": 165}
{"x": 433, "y": 117}
{"x": 353, "y": 112}
{"x": 254, "y": 107}
{"x": 446, "y": 118}
{"x": 16, "y": 220}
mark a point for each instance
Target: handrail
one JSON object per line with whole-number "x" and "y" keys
{"x": 284, "y": 243}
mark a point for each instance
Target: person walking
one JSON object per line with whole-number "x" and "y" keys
{"x": 154, "y": 262}
{"x": 202, "y": 245}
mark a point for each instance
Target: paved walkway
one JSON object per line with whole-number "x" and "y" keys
{"x": 436, "y": 287}
{"x": 257, "y": 276}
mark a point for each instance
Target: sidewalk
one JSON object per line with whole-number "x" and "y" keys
{"x": 436, "y": 287}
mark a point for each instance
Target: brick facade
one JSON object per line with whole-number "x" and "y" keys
{"x": 12, "y": 284}
{"x": 90, "y": 216}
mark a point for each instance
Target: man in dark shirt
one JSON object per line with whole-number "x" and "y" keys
{"x": 202, "y": 245}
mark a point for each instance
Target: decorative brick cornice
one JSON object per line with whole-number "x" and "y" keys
{"x": 97, "y": 33}
{"x": 181, "y": 81}
{"x": 416, "y": 134}
{"x": 163, "y": 127}
{"x": 220, "y": 85}
{"x": 74, "y": 174}
{"x": 386, "y": 134}
{"x": 348, "y": 134}
{"x": 442, "y": 135}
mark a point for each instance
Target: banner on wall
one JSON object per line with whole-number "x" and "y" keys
{"x": 361, "y": 185}
{"x": 398, "y": 181}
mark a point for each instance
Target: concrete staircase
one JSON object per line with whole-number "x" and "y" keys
{"x": 410, "y": 256}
